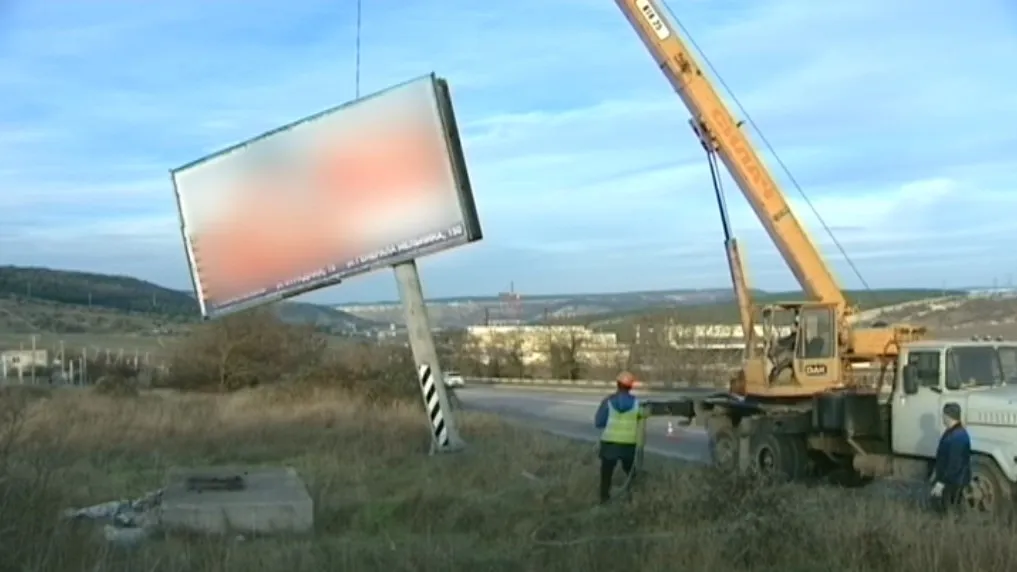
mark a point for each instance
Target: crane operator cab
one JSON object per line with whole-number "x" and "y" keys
{"x": 799, "y": 346}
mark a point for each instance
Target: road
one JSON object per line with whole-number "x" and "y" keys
{"x": 571, "y": 415}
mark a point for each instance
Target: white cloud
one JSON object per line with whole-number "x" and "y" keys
{"x": 897, "y": 118}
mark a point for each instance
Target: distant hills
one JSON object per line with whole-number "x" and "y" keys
{"x": 715, "y": 305}
{"x": 37, "y": 290}
{"x": 726, "y": 311}
{"x": 513, "y": 308}
{"x": 65, "y": 300}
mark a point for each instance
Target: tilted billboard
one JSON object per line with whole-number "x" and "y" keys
{"x": 362, "y": 186}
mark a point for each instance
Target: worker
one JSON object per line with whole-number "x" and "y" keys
{"x": 952, "y": 472}
{"x": 782, "y": 351}
{"x": 618, "y": 418}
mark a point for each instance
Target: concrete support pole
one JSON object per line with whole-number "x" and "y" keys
{"x": 445, "y": 436}
{"x": 35, "y": 363}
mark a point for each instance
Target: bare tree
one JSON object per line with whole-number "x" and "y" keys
{"x": 563, "y": 353}
{"x": 501, "y": 355}
{"x": 244, "y": 350}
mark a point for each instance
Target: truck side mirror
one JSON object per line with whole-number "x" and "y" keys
{"x": 910, "y": 379}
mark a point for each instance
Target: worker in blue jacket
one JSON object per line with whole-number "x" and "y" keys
{"x": 618, "y": 419}
{"x": 952, "y": 472}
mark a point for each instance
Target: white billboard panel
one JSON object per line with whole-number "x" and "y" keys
{"x": 365, "y": 185}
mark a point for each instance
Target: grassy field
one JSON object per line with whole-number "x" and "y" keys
{"x": 382, "y": 504}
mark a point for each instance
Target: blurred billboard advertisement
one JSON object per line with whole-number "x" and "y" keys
{"x": 365, "y": 185}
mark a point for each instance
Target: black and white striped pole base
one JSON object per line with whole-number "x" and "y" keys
{"x": 444, "y": 437}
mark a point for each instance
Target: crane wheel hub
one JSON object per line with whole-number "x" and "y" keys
{"x": 779, "y": 455}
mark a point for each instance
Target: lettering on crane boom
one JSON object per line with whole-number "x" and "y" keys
{"x": 815, "y": 369}
{"x": 653, "y": 19}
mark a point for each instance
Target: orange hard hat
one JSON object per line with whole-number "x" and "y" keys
{"x": 626, "y": 379}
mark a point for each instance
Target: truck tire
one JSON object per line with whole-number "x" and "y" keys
{"x": 990, "y": 491}
{"x": 781, "y": 456}
{"x": 723, "y": 445}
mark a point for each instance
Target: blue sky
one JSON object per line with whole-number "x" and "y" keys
{"x": 899, "y": 119}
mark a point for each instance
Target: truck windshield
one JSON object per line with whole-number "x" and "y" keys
{"x": 981, "y": 366}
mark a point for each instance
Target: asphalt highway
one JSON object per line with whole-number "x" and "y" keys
{"x": 571, "y": 415}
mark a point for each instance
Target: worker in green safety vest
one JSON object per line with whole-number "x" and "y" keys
{"x": 618, "y": 419}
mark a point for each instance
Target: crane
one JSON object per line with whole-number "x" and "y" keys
{"x": 796, "y": 409}
{"x": 825, "y": 344}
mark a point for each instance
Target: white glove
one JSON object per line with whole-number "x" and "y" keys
{"x": 937, "y": 490}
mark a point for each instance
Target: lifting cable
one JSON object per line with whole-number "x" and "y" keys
{"x": 766, "y": 143}
{"x": 360, "y": 7}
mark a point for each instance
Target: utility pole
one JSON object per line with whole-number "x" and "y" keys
{"x": 34, "y": 364}
{"x": 445, "y": 436}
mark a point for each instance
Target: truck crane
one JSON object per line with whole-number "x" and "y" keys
{"x": 798, "y": 407}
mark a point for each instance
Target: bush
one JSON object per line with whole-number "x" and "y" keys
{"x": 101, "y": 367}
{"x": 117, "y": 385}
{"x": 256, "y": 348}
{"x": 243, "y": 350}
{"x": 379, "y": 374}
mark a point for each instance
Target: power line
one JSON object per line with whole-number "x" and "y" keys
{"x": 357, "y": 79}
{"x": 762, "y": 137}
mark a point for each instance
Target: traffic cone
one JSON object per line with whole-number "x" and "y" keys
{"x": 670, "y": 430}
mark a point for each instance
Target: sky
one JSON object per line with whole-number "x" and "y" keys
{"x": 897, "y": 119}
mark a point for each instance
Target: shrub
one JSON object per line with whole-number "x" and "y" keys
{"x": 378, "y": 373}
{"x": 243, "y": 350}
{"x": 255, "y": 348}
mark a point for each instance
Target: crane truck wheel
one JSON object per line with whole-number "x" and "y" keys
{"x": 779, "y": 455}
{"x": 723, "y": 447}
{"x": 990, "y": 491}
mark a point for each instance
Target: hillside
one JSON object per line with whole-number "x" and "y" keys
{"x": 76, "y": 302}
{"x": 726, "y": 312}
{"x": 102, "y": 291}
{"x": 962, "y": 316}
{"x": 474, "y": 310}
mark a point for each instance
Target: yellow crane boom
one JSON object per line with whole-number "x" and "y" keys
{"x": 718, "y": 127}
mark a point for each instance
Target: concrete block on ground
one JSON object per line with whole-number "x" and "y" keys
{"x": 272, "y": 500}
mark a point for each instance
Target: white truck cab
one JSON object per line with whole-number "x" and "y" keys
{"x": 980, "y": 376}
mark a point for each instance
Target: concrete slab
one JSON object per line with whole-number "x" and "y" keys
{"x": 270, "y": 500}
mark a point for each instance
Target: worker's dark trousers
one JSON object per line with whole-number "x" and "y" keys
{"x": 610, "y": 455}
{"x": 950, "y": 501}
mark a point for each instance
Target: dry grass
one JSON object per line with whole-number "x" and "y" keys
{"x": 382, "y": 504}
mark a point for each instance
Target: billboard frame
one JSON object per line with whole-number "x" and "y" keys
{"x": 470, "y": 222}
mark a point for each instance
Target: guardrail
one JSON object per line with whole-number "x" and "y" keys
{"x": 591, "y": 383}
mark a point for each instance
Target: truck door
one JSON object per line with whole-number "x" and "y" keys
{"x": 816, "y": 350}
{"x": 916, "y": 420}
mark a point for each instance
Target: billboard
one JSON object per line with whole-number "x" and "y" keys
{"x": 369, "y": 184}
